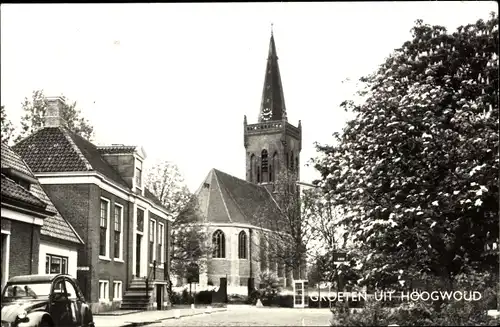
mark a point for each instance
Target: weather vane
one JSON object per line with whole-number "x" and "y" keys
{"x": 272, "y": 28}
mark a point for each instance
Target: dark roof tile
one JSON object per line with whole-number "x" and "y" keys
{"x": 14, "y": 191}
{"x": 54, "y": 226}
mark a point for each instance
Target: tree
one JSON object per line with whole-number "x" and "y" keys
{"x": 188, "y": 237}
{"x": 283, "y": 234}
{"x": 34, "y": 112}
{"x": 7, "y": 128}
{"x": 416, "y": 172}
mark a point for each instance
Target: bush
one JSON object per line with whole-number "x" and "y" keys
{"x": 204, "y": 297}
{"x": 254, "y": 296}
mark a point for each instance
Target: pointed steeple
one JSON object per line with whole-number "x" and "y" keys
{"x": 273, "y": 101}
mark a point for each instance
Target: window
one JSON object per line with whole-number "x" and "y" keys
{"x": 219, "y": 246}
{"x": 55, "y": 264}
{"x": 71, "y": 290}
{"x": 263, "y": 160}
{"x": 252, "y": 168}
{"x": 103, "y": 290}
{"x": 152, "y": 237}
{"x": 274, "y": 168}
{"x": 140, "y": 220}
{"x": 291, "y": 161}
{"x": 104, "y": 229}
{"x": 138, "y": 174}
{"x": 117, "y": 290}
{"x": 118, "y": 235}
{"x": 242, "y": 245}
{"x": 161, "y": 239}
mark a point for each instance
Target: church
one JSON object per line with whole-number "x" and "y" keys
{"x": 239, "y": 213}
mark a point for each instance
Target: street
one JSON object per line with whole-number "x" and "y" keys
{"x": 254, "y": 316}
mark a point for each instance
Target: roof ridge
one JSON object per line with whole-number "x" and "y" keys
{"x": 240, "y": 179}
{"x": 223, "y": 200}
{"x": 66, "y": 133}
{"x": 232, "y": 198}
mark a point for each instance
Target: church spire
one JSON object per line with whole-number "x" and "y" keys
{"x": 273, "y": 101}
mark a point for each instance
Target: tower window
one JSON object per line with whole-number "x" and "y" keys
{"x": 274, "y": 166}
{"x": 252, "y": 168}
{"x": 291, "y": 161}
{"x": 264, "y": 161}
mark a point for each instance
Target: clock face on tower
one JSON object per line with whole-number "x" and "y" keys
{"x": 266, "y": 113}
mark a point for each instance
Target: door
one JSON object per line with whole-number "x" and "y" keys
{"x": 75, "y": 302}
{"x": 298, "y": 301}
{"x": 60, "y": 309}
{"x": 159, "y": 297}
{"x": 138, "y": 256}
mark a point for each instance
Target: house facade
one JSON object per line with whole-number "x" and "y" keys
{"x": 36, "y": 239}
{"x": 243, "y": 216}
{"x": 101, "y": 192}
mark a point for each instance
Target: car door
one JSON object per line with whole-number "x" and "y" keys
{"x": 75, "y": 302}
{"x": 59, "y": 304}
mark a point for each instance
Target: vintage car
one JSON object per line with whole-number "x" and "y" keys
{"x": 44, "y": 301}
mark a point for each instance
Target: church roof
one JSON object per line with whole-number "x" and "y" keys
{"x": 227, "y": 199}
{"x": 273, "y": 100}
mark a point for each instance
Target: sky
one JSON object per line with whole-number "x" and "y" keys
{"x": 178, "y": 78}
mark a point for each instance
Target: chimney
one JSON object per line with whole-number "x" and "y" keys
{"x": 53, "y": 116}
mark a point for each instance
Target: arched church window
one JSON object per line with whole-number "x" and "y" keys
{"x": 252, "y": 168}
{"x": 219, "y": 244}
{"x": 274, "y": 162}
{"x": 264, "y": 162}
{"x": 291, "y": 161}
{"x": 242, "y": 245}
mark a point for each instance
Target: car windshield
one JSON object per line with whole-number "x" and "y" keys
{"x": 26, "y": 291}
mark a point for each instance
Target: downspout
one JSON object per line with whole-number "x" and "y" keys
{"x": 32, "y": 246}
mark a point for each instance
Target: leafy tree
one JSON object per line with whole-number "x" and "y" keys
{"x": 7, "y": 128}
{"x": 285, "y": 246}
{"x": 34, "y": 112}
{"x": 416, "y": 170}
{"x": 188, "y": 237}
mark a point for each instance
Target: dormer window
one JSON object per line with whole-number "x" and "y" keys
{"x": 19, "y": 177}
{"x": 138, "y": 174}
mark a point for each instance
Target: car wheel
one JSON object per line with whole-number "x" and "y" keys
{"x": 45, "y": 323}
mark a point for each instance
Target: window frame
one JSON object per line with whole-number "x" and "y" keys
{"x": 151, "y": 245}
{"x": 103, "y": 288}
{"x": 161, "y": 242}
{"x": 120, "y": 242}
{"x": 219, "y": 244}
{"x": 117, "y": 284}
{"x": 52, "y": 256}
{"x": 106, "y": 255}
{"x": 138, "y": 174}
{"x": 242, "y": 246}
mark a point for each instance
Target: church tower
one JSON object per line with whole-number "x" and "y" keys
{"x": 272, "y": 144}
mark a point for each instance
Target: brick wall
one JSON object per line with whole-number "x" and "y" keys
{"x": 114, "y": 269}
{"x": 74, "y": 203}
{"x": 24, "y": 248}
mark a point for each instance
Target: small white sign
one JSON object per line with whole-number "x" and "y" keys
{"x": 84, "y": 268}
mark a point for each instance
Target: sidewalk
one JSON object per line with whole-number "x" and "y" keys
{"x": 141, "y": 318}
